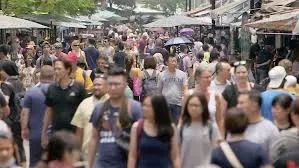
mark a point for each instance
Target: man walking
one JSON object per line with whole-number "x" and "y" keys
{"x": 33, "y": 113}
{"x": 109, "y": 119}
{"x": 62, "y": 100}
{"x": 85, "y": 109}
{"x": 173, "y": 84}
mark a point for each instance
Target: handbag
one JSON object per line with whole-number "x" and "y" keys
{"x": 230, "y": 155}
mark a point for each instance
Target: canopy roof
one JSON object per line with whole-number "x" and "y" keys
{"x": 175, "y": 20}
{"x": 281, "y": 21}
{"x": 8, "y": 22}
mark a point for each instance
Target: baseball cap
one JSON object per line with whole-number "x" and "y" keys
{"x": 276, "y": 75}
{"x": 290, "y": 80}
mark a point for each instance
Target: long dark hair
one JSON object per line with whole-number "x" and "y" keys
{"x": 285, "y": 102}
{"x": 205, "y": 115}
{"x": 162, "y": 118}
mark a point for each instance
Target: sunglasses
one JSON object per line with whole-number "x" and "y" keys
{"x": 77, "y": 45}
{"x": 239, "y": 63}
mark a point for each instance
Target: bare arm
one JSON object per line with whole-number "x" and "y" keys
{"x": 221, "y": 114}
{"x": 24, "y": 123}
{"x": 47, "y": 120}
{"x": 174, "y": 152}
{"x": 92, "y": 146}
{"x": 133, "y": 153}
{"x": 79, "y": 134}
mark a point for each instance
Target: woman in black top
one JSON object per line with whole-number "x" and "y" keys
{"x": 241, "y": 85}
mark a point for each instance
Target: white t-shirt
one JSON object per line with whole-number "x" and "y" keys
{"x": 211, "y": 104}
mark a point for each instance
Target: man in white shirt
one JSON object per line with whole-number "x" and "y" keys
{"x": 259, "y": 130}
{"x": 222, "y": 77}
{"x": 82, "y": 116}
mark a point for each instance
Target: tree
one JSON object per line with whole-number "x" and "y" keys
{"x": 168, "y": 6}
{"x": 55, "y": 7}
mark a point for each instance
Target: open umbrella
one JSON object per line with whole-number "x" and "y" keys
{"x": 186, "y": 31}
{"x": 157, "y": 29}
{"x": 8, "y": 22}
{"x": 178, "y": 41}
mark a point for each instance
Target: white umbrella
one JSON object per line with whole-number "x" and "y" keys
{"x": 8, "y": 22}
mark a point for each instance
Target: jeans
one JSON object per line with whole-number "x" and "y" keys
{"x": 36, "y": 152}
{"x": 261, "y": 74}
{"x": 175, "y": 112}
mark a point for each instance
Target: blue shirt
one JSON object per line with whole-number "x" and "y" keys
{"x": 109, "y": 154}
{"x": 34, "y": 100}
{"x": 249, "y": 154}
{"x": 91, "y": 56}
{"x": 267, "y": 99}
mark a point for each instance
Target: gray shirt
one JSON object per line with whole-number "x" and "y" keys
{"x": 287, "y": 141}
{"x": 172, "y": 85}
{"x": 263, "y": 133}
{"x": 197, "y": 143}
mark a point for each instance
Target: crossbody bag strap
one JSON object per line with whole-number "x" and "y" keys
{"x": 230, "y": 155}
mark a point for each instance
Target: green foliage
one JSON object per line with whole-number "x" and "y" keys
{"x": 57, "y": 7}
{"x": 168, "y": 6}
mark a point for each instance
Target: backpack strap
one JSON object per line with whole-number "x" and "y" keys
{"x": 230, "y": 155}
{"x": 181, "y": 134}
{"x": 154, "y": 74}
{"x": 147, "y": 76}
{"x": 210, "y": 131}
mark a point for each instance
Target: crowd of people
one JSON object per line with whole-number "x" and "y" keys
{"x": 131, "y": 102}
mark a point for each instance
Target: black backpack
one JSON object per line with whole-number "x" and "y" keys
{"x": 149, "y": 83}
{"x": 15, "y": 102}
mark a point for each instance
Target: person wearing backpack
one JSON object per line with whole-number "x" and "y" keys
{"x": 238, "y": 152}
{"x": 13, "y": 90}
{"x": 112, "y": 121}
{"x": 149, "y": 76}
{"x": 153, "y": 139}
{"x": 197, "y": 133}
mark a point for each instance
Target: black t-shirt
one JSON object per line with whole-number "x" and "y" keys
{"x": 64, "y": 103}
{"x": 231, "y": 93}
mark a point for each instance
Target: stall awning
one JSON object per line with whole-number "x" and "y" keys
{"x": 280, "y": 21}
{"x": 230, "y": 8}
{"x": 70, "y": 25}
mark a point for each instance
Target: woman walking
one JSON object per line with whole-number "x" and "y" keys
{"x": 153, "y": 139}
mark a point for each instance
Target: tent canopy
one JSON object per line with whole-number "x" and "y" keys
{"x": 8, "y": 22}
{"x": 175, "y": 20}
{"x": 280, "y": 21}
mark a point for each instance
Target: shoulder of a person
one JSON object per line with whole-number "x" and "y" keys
{"x": 270, "y": 125}
{"x": 87, "y": 100}
{"x": 134, "y": 103}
